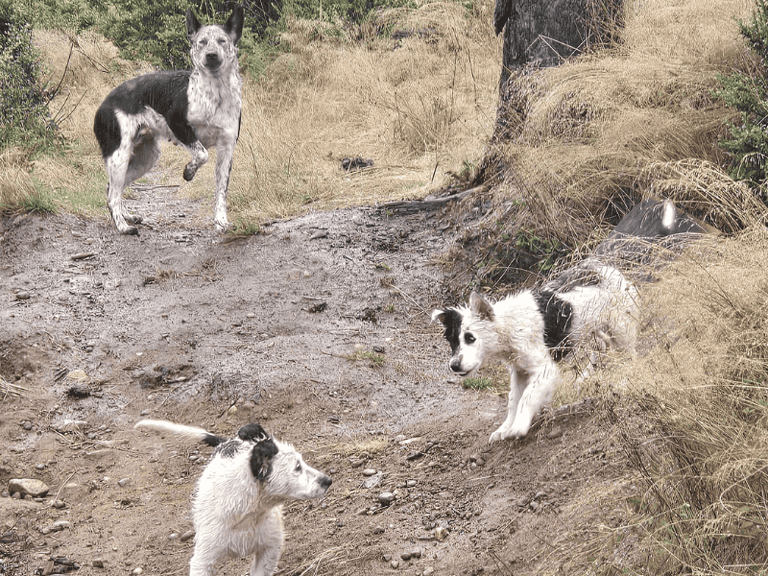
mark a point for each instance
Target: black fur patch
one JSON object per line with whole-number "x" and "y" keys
{"x": 252, "y": 432}
{"x": 213, "y": 440}
{"x": 558, "y": 319}
{"x": 261, "y": 458}
{"x": 165, "y": 92}
{"x": 452, "y": 322}
{"x": 229, "y": 448}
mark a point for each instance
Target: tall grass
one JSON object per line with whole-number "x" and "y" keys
{"x": 690, "y": 424}
{"x": 587, "y": 135}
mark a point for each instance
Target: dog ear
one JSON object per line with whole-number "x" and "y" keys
{"x": 438, "y": 315}
{"x": 252, "y": 432}
{"x": 234, "y": 25}
{"x": 481, "y": 307}
{"x": 261, "y": 458}
{"x": 193, "y": 24}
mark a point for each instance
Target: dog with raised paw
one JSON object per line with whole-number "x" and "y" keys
{"x": 197, "y": 109}
{"x": 529, "y": 329}
{"x": 237, "y": 508}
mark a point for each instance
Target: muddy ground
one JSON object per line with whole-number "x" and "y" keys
{"x": 317, "y": 328}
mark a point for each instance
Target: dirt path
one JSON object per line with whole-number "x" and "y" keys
{"x": 319, "y": 330}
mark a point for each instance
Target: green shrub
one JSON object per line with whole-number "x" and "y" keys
{"x": 748, "y": 142}
{"x": 156, "y": 30}
{"x": 23, "y": 100}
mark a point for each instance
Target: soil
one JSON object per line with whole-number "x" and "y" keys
{"x": 317, "y": 328}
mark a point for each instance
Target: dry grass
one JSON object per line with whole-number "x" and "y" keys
{"x": 587, "y": 134}
{"x": 692, "y": 423}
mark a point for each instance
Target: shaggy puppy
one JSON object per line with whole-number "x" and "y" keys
{"x": 237, "y": 509}
{"x": 197, "y": 109}
{"x": 528, "y": 329}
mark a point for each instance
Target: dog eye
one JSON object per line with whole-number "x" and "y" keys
{"x": 203, "y": 42}
{"x": 469, "y": 339}
{"x": 298, "y": 467}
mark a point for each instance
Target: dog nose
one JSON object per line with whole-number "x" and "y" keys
{"x": 212, "y": 60}
{"x": 455, "y": 365}
{"x": 326, "y": 481}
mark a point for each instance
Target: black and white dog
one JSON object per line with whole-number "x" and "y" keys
{"x": 237, "y": 509}
{"x": 526, "y": 330}
{"x": 198, "y": 109}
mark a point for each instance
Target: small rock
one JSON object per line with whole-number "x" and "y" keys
{"x": 98, "y": 563}
{"x": 378, "y": 530}
{"x": 60, "y": 525}
{"x": 428, "y": 571}
{"x": 410, "y": 483}
{"x": 555, "y": 433}
{"x": 395, "y": 564}
{"x": 28, "y": 486}
{"x": 58, "y": 504}
{"x": 369, "y": 472}
{"x": 386, "y": 498}
{"x": 187, "y": 535}
{"x": 534, "y": 506}
{"x": 540, "y": 494}
{"x": 26, "y": 425}
{"x": 123, "y": 482}
{"x": 137, "y": 571}
{"x": 441, "y": 533}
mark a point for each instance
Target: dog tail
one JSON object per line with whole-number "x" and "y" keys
{"x": 180, "y": 430}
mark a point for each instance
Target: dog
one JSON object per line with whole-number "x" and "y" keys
{"x": 530, "y": 329}
{"x": 197, "y": 109}
{"x": 237, "y": 508}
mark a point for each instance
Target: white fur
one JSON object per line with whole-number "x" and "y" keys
{"x": 512, "y": 331}
{"x": 236, "y": 514}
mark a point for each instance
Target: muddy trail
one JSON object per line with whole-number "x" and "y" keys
{"x": 318, "y": 329}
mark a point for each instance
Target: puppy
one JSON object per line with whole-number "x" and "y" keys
{"x": 197, "y": 109}
{"x": 237, "y": 508}
{"x": 529, "y": 329}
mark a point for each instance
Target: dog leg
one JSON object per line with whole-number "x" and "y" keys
{"x": 199, "y": 157}
{"x": 117, "y": 166}
{"x": 271, "y": 544}
{"x": 534, "y": 397}
{"x": 517, "y": 384}
{"x": 202, "y": 563}
{"x": 223, "y": 169}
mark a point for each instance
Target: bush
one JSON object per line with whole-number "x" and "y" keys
{"x": 156, "y": 30}
{"x": 23, "y": 101}
{"x": 748, "y": 143}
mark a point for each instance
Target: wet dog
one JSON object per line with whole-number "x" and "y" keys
{"x": 237, "y": 508}
{"x": 528, "y": 330}
{"x": 197, "y": 109}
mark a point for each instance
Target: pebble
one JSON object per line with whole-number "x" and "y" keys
{"x": 386, "y": 498}
{"x": 441, "y": 533}
{"x": 98, "y": 563}
{"x": 428, "y": 571}
{"x": 123, "y": 482}
{"x": 369, "y": 472}
{"x": 555, "y": 433}
{"x": 58, "y": 504}
{"x": 187, "y": 535}
{"x": 28, "y": 486}
{"x": 395, "y": 564}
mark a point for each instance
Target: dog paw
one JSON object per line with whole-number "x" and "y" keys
{"x": 222, "y": 226}
{"x": 189, "y": 172}
{"x": 130, "y": 231}
{"x": 133, "y": 220}
{"x": 512, "y": 433}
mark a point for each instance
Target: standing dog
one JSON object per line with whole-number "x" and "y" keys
{"x": 527, "y": 329}
{"x": 237, "y": 510}
{"x": 198, "y": 109}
